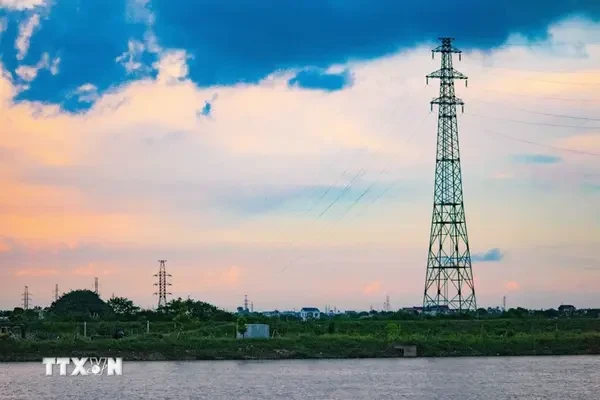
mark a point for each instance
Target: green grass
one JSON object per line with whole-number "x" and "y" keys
{"x": 353, "y": 339}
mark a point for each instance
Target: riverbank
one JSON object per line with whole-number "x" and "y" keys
{"x": 156, "y": 348}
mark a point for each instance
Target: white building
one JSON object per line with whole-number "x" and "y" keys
{"x": 309, "y": 313}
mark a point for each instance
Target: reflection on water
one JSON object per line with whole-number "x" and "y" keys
{"x": 531, "y": 378}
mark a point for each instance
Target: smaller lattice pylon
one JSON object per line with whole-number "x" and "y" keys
{"x": 162, "y": 284}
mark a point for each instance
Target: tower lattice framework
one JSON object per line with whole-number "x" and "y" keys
{"x": 449, "y": 278}
{"x": 162, "y": 284}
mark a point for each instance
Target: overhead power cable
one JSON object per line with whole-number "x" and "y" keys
{"x": 540, "y": 97}
{"x": 557, "y": 148}
{"x": 477, "y": 99}
{"x": 534, "y": 123}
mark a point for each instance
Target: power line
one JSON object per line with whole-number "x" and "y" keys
{"x": 541, "y": 144}
{"x": 540, "y": 97}
{"x": 535, "y": 123}
{"x": 537, "y": 79}
{"x": 538, "y": 112}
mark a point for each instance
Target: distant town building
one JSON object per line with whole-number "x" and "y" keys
{"x": 309, "y": 313}
{"x": 412, "y": 310}
{"x": 437, "y": 310}
{"x": 566, "y": 309}
{"x": 275, "y": 313}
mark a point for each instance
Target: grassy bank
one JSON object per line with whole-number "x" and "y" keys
{"x": 189, "y": 347}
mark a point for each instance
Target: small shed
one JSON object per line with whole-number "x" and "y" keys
{"x": 406, "y": 350}
{"x": 255, "y": 331}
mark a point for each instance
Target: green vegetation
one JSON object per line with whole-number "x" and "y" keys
{"x": 188, "y": 329}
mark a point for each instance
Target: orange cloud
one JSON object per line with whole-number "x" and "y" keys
{"x": 512, "y": 286}
{"x": 372, "y": 288}
{"x": 36, "y": 272}
{"x": 92, "y": 270}
{"x": 232, "y": 276}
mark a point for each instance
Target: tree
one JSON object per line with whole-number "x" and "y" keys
{"x": 241, "y": 325}
{"x": 123, "y": 306}
{"x": 80, "y": 303}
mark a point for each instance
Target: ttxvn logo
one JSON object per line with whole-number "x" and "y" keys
{"x": 85, "y": 365}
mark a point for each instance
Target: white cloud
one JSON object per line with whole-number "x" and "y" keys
{"x": 131, "y": 58}
{"x": 53, "y": 68}
{"x": 22, "y": 4}
{"x": 172, "y": 66}
{"x": 87, "y": 93}
{"x": 3, "y": 25}
{"x": 139, "y": 11}
{"x": 26, "y": 30}
{"x": 29, "y": 73}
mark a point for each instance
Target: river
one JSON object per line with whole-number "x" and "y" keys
{"x": 498, "y": 378}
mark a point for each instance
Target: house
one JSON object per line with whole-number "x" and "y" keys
{"x": 412, "y": 310}
{"x": 566, "y": 309}
{"x": 435, "y": 310}
{"x": 271, "y": 313}
{"x": 309, "y": 313}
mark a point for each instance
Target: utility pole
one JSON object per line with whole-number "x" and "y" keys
{"x": 96, "y": 286}
{"x": 56, "y": 292}
{"x": 162, "y": 284}
{"x": 449, "y": 277}
{"x": 26, "y": 298}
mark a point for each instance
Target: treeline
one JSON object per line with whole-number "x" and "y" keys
{"x": 85, "y": 305}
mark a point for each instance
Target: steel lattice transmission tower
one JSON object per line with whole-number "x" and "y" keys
{"x": 26, "y": 298}
{"x": 449, "y": 278}
{"x": 162, "y": 284}
{"x": 96, "y": 286}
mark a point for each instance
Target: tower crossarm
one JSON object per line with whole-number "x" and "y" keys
{"x": 446, "y": 73}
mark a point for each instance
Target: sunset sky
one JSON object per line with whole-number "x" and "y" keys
{"x": 286, "y": 149}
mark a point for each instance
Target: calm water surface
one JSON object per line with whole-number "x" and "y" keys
{"x": 532, "y": 378}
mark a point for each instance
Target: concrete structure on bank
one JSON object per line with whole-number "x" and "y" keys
{"x": 255, "y": 331}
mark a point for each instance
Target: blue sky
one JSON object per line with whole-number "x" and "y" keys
{"x": 237, "y": 138}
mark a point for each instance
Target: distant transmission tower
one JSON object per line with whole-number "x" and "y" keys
{"x": 56, "y": 292}
{"x": 26, "y": 298}
{"x": 162, "y": 284}
{"x": 246, "y": 303}
{"x": 386, "y": 305}
{"x": 449, "y": 278}
{"x": 96, "y": 285}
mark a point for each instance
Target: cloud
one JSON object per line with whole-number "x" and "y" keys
{"x": 372, "y": 288}
{"x": 87, "y": 93}
{"x": 131, "y": 59}
{"x": 232, "y": 276}
{"x": 36, "y": 272}
{"x": 92, "y": 270}
{"x": 492, "y": 255}
{"x": 332, "y": 32}
{"x": 29, "y": 73}
{"x": 537, "y": 159}
{"x": 22, "y": 4}
{"x": 321, "y": 80}
{"x": 26, "y": 30}
{"x": 172, "y": 66}
{"x": 234, "y": 42}
{"x": 3, "y": 25}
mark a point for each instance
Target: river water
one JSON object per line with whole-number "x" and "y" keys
{"x": 498, "y": 378}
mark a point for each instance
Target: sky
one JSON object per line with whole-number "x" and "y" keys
{"x": 285, "y": 150}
